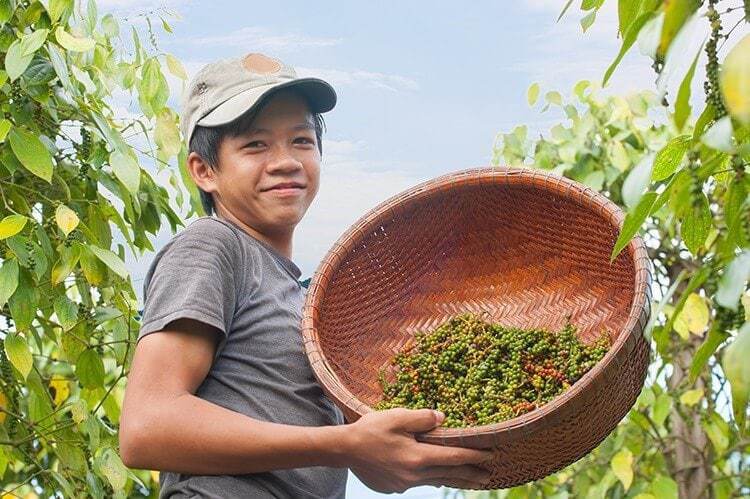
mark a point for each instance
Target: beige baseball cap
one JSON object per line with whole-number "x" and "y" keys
{"x": 224, "y": 90}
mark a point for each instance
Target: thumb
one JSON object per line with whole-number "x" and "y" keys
{"x": 418, "y": 420}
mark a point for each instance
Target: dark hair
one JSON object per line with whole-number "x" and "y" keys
{"x": 206, "y": 140}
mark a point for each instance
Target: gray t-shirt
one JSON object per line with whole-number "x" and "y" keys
{"x": 216, "y": 273}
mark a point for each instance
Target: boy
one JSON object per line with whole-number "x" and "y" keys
{"x": 221, "y": 396}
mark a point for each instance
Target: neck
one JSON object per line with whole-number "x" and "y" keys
{"x": 281, "y": 241}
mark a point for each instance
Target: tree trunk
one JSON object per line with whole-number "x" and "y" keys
{"x": 691, "y": 448}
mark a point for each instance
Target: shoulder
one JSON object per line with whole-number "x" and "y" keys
{"x": 206, "y": 234}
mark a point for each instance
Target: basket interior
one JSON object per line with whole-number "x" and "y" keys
{"x": 527, "y": 257}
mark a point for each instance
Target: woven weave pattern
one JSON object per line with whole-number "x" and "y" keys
{"x": 525, "y": 247}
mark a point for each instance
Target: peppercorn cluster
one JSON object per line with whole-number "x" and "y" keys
{"x": 479, "y": 373}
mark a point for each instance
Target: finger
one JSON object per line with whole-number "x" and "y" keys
{"x": 465, "y": 472}
{"x": 416, "y": 420}
{"x": 438, "y": 455}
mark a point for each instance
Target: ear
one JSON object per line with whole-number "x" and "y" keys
{"x": 200, "y": 171}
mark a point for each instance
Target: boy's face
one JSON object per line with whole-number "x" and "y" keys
{"x": 280, "y": 148}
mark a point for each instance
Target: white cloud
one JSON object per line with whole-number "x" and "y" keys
{"x": 260, "y": 38}
{"x": 338, "y": 77}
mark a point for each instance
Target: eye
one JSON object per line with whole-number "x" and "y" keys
{"x": 305, "y": 140}
{"x": 255, "y": 143}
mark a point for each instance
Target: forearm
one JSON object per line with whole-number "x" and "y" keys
{"x": 191, "y": 435}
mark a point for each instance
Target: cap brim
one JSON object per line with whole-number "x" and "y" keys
{"x": 320, "y": 95}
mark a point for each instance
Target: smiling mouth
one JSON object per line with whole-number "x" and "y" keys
{"x": 284, "y": 188}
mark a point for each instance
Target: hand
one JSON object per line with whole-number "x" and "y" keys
{"x": 386, "y": 457}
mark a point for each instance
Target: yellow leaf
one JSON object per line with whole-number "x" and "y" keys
{"x": 532, "y": 94}
{"x": 694, "y": 316}
{"x": 154, "y": 475}
{"x": 3, "y": 404}
{"x": 66, "y": 219}
{"x": 622, "y": 465}
{"x": 73, "y": 43}
{"x": 12, "y": 225}
{"x": 691, "y": 397}
{"x": 746, "y": 304}
{"x": 734, "y": 80}
{"x": 62, "y": 388}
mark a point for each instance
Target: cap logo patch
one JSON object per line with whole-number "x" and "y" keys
{"x": 259, "y": 63}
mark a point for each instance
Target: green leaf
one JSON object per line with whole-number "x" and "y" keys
{"x": 23, "y": 303}
{"x": 30, "y": 43}
{"x": 93, "y": 269}
{"x": 18, "y": 353}
{"x": 167, "y": 135}
{"x": 58, "y": 7}
{"x": 31, "y": 152}
{"x": 627, "y": 10}
{"x": 90, "y": 369}
{"x": 111, "y": 260}
{"x": 110, "y": 26}
{"x": 718, "y": 431}
{"x": 532, "y": 94}
{"x": 12, "y": 225}
{"x": 5, "y": 126}
{"x": 8, "y": 280}
{"x": 628, "y": 40}
{"x": 719, "y": 136}
{"x": 622, "y": 466}
{"x": 661, "y": 409}
{"x": 676, "y": 14}
{"x": 664, "y": 487}
{"x": 581, "y": 87}
{"x": 637, "y": 180}
{"x": 15, "y": 60}
{"x": 588, "y": 20}
{"x": 733, "y": 280}
{"x": 126, "y": 169}
{"x": 66, "y": 312}
{"x": 737, "y": 370}
{"x": 670, "y": 156}
{"x": 565, "y": 8}
{"x": 79, "y": 411}
{"x": 73, "y": 43}
{"x": 57, "y": 58}
{"x": 175, "y": 67}
{"x": 72, "y": 457}
{"x": 714, "y": 339}
{"x": 553, "y": 97}
{"x": 691, "y": 397}
{"x": 682, "y": 107}
{"x": 695, "y": 225}
{"x": 734, "y": 80}
{"x": 112, "y": 468}
{"x": 633, "y": 221}
{"x": 66, "y": 263}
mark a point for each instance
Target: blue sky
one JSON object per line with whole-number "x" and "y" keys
{"x": 423, "y": 88}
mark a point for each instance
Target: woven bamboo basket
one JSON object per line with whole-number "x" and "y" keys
{"x": 527, "y": 247}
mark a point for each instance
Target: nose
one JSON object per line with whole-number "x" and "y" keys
{"x": 283, "y": 160}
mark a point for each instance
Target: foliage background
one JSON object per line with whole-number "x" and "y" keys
{"x": 681, "y": 176}
{"x": 73, "y": 197}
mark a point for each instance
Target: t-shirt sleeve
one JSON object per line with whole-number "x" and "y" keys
{"x": 194, "y": 278}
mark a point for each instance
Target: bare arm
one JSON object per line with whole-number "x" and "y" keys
{"x": 164, "y": 426}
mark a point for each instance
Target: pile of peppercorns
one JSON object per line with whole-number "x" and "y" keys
{"x": 480, "y": 373}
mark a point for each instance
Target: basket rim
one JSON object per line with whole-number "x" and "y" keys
{"x": 330, "y": 382}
